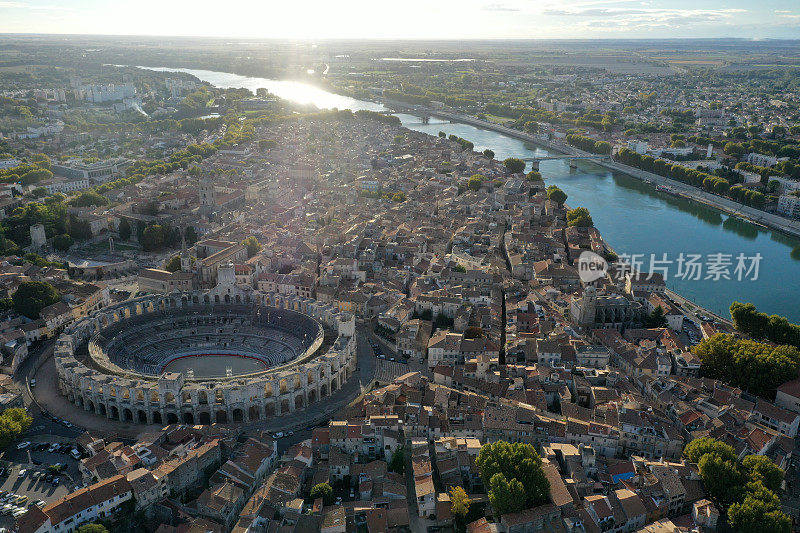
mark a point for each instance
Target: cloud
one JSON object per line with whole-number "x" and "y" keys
{"x": 36, "y": 7}
{"x": 782, "y": 13}
{"x": 499, "y": 7}
{"x": 639, "y": 18}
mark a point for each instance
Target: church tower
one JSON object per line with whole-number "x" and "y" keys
{"x": 208, "y": 195}
{"x": 186, "y": 259}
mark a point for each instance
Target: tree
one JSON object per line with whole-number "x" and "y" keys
{"x": 190, "y": 234}
{"x": 506, "y": 496}
{"x": 473, "y": 332}
{"x": 722, "y": 478}
{"x": 62, "y": 242}
{"x": 92, "y": 528}
{"x": 518, "y": 462}
{"x": 174, "y": 264}
{"x": 398, "y": 462}
{"x": 514, "y": 165}
{"x": 489, "y": 154}
{"x": 759, "y": 512}
{"x": 39, "y": 192}
{"x": 579, "y": 217}
{"x": 13, "y": 423}
{"x": 253, "y": 246}
{"x": 324, "y": 491}
{"x": 556, "y": 195}
{"x": 459, "y": 502}
{"x": 475, "y": 182}
{"x": 33, "y": 296}
{"x": 756, "y": 367}
{"x": 124, "y": 229}
{"x": 656, "y": 319}
{"x": 534, "y": 175}
{"x": 761, "y": 468}
{"x": 89, "y": 198}
{"x": 777, "y": 329}
{"x": 153, "y": 237}
{"x": 696, "y": 449}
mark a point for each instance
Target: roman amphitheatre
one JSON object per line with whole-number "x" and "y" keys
{"x": 205, "y": 357}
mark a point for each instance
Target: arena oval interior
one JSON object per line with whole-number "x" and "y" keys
{"x": 202, "y": 357}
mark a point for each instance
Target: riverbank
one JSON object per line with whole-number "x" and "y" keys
{"x": 628, "y": 210}
{"x": 726, "y": 205}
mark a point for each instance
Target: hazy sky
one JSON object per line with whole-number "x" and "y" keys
{"x": 412, "y": 19}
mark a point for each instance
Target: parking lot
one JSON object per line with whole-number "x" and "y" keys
{"x": 22, "y": 485}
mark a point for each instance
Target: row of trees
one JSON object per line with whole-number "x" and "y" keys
{"x": 746, "y": 489}
{"x": 691, "y": 176}
{"x": 774, "y": 328}
{"x": 465, "y": 144}
{"x": 754, "y": 366}
{"x": 588, "y": 144}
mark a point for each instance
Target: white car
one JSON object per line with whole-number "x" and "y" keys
{"x": 23, "y": 445}
{"x": 23, "y": 473}
{"x": 33, "y": 382}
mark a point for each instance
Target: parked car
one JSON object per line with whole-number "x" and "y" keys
{"x": 23, "y": 445}
{"x": 33, "y": 382}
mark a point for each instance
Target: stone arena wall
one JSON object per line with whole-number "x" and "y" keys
{"x": 128, "y": 396}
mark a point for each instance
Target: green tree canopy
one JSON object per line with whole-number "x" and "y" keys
{"x": 324, "y": 491}
{"x": 579, "y": 217}
{"x": 460, "y": 502}
{"x": 514, "y": 165}
{"x": 398, "y": 462}
{"x": 124, "y": 229}
{"x": 747, "y": 319}
{"x": 534, "y": 175}
{"x": 556, "y": 195}
{"x": 699, "y": 447}
{"x": 13, "y": 423}
{"x": 759, "y": 512}
{"x": 506, "y": 496}
{"x": 489, "y": 154}
{"x": 656, "y": 319}
{"x": 761, "y": 468}
{"x": 92, "y": 528}
{"x": 722, "y": 478}
{"x": 514, "y": 462}
{"x": 253, "y": 246}
{"x": 62, "y": 242}
{"x": 174, "y": 263}
{"x": 33, "y": 296}
{"x": 89, "y": 198}
{"x": 757, "y": 367}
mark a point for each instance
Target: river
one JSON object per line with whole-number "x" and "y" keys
{"x": 632, "y": 216}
